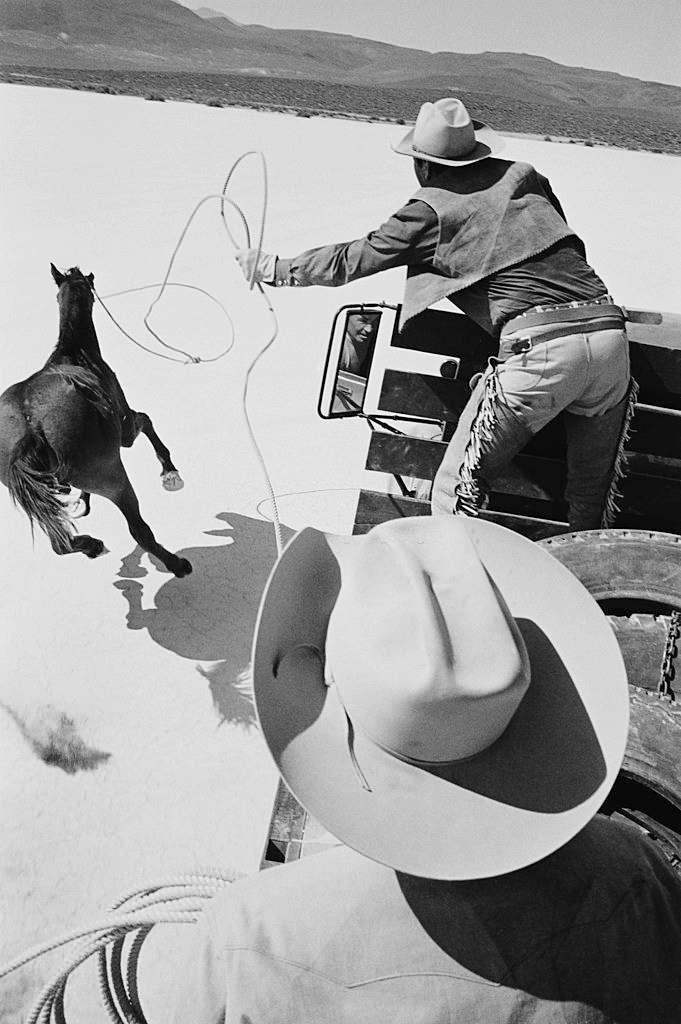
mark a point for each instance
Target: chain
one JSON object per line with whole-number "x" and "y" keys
{"x": 671, "y": 649}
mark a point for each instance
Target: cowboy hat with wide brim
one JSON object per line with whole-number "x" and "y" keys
{"x": 444, "y": 133}
{"x": 372, "y": 652}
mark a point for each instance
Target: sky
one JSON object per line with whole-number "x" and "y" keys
{"x": 632, "y": 37}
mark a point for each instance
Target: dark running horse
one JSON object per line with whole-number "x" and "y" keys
{"x": 64, "y": 426}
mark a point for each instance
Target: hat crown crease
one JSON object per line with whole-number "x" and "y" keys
{"x": 436, "y": 642}
{"x": 447, "y": 696}
{"x": 444, "y": 129}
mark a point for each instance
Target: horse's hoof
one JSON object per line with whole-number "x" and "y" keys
{"x": 182, "y": 568}
{"x": 94, "y": 548}
{"x": 172, "y": 481}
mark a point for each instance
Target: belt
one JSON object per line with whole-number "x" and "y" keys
{"x": 607, "y": 315}
{"x": 587, "y": 311}
{"x": 525, "y": 344}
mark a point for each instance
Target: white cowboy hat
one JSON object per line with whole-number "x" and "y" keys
{"x": 445, "y": 134}
{"x": 441, "y": 694}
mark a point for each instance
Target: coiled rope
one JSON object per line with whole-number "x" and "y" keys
{"x": 165, "y": 901}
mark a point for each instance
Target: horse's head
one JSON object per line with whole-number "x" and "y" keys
{"x": 73, "y": 287}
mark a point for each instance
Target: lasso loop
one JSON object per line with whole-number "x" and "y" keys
{"x": 188, "y": 357}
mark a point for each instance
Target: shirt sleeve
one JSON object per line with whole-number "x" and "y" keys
{"x": 553, "y": 199}
{"x": 551, "y": 195}
{"x": 408, "y": 237}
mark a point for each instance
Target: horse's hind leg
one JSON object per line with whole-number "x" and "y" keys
{"x": 42, "y": 497}
{"x": 90, "y": 546}
{"x": 65, "y": 543}
{"x": 171, "y": 479}
{"x": 121, "y": 493}
{"x": 84, "y": 500}
{"x": 78, "y": 507}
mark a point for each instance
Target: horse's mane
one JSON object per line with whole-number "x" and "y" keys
{"x": 74, "y": 275}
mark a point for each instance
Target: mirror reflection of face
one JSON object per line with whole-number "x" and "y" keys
{"x": 361, "y": 326}
{"x": 360, "y": 333}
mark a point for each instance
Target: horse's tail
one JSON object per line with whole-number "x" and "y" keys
{"x": 89, "y": 384}
{"x": 35, "y": 489}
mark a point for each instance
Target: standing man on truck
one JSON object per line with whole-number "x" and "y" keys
{"x": 490, "y": 235}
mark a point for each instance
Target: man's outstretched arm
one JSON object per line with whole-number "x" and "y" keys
{"x": 409, "y": 236}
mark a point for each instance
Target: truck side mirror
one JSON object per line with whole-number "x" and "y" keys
{"x": 348, "y": 361}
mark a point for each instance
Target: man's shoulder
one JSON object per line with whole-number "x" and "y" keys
{"x": 284, "y": 911}
{"x": 473, "y": 179}
{"x": 621, "y": 850}
{"x": 336, "y": 880}
{"x": 328, "y": 875}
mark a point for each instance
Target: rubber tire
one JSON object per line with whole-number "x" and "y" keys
{"x": 639, "y": 566}
{"x": 636, "y": 565}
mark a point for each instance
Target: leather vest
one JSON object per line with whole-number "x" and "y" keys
{"x": 491, "y": 215}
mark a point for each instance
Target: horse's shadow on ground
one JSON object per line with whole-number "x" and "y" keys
{"x": 210, "y": 615}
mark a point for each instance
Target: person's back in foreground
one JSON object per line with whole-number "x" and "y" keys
{"x": 591, "y": 934}
{"x": 489, "y": 892}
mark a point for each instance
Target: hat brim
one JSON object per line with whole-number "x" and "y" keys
{"x": 488, "y": 143}
{"x": 510, "y": 806}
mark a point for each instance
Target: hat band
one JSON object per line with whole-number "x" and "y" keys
{"x": 442, "y": 156}
{"x": 415, "y": 762}
{"x": 351, "y": 750}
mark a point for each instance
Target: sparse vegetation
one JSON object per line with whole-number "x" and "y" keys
{"x": 604, "y": 126}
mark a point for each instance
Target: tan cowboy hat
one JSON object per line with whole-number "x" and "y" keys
{"x": 441, "y": 694}
{"x": 445, "y": 134}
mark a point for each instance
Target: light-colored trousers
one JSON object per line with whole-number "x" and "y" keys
{"x": 586, "y": 376}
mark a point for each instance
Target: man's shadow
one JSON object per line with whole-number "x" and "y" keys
{"x": 210, "y": 615}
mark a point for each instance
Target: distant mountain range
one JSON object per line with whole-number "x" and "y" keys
{"x": 162, "y": 35}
